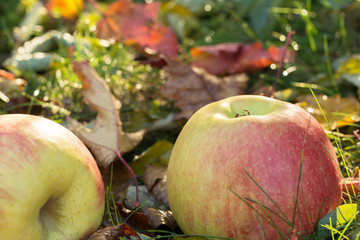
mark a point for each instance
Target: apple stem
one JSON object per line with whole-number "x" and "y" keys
{"x": 245, "y": 110}
{"x": 356, "y": 133}
{"x": 132, "y": 175}
{"x": 273, "y": 88}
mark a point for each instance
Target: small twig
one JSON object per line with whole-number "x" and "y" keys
{"x": 356, "y": 172}
{"x": 356, "y": 133}
{"x": 273, "y": 88}
{"x": 133, "y": 176}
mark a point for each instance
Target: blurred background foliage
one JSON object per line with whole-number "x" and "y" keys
{"x": 326, "y": 32}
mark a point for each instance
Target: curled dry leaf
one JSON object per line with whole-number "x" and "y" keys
{"x": 115, "y": 232}
{"x": 191, "y": 88}
{"x": 107, "y": 136}
{"x": 157, "y": 219}
{"x": 155, "y": 181}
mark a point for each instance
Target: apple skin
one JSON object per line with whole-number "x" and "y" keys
{"x": 214, "y": 151}
{"x": 50, "y": 185}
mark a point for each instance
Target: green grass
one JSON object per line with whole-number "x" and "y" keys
{"x": 323, "y": 34}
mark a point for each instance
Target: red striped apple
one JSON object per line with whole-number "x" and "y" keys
{"x": 50, "y": 185}
{"x": 234, "y": 171}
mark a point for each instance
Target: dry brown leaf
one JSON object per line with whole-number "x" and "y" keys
{"x": 155, "y": 181}
{"x": 191, "y": 88}
{"x": 107, "y": 136}
{"x": 119, "y": 177}
{"x": 115, "y": 232}
{"x": 156, "y": 218}
{"x": 231, "y": 58}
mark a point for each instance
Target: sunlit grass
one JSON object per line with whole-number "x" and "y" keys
{"x": 322, "y": 35}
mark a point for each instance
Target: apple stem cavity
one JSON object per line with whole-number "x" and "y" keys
{"x": 245, "y": 113}
{"x": 288, "y": 39}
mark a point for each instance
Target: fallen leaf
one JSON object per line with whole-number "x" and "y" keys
{"x": 145, "y": 198}
{"x": 233, "y": 58}
{"x": 339, "y": 111}
{"x": 216, "y": 59}
{"x": 117, "y": 179}
{"x": 155, "y": 181}
{"x": 7, "y": 75}
{"x": 107, "y": 135}
{"x": 348, "y": 120}
{"x": 337, "y": 219}
{"x": 68, "y": 9}
{"x": 136, "y": 219}
{"x": 137, "y": 25}
{"x": 158, "y": 154}
{"x": 348, "y": 68}
{"x": 115, "y": 232}
{"x": 191, "y": 88}
{"x": 156, "y": 218}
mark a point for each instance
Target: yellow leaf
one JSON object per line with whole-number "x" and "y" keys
{"x": 350, "y": 66}
{"x": 335, "y": 109}
{"x": 346, "y": 121}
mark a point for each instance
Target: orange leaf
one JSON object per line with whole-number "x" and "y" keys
{"x": 138, "y": 26}
{"x": 115, "y": 232}
{"x": 69, "y": 9}
{"x": 7, "y": 75}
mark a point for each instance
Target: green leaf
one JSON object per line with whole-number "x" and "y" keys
{"x": 337, "y": 219}
{"x": 157, "y": 155}
{"x": 348, "y": 68}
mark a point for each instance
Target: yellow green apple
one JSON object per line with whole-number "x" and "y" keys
{"x": 235, "y": 168}
{"x": 50, "y": 185}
